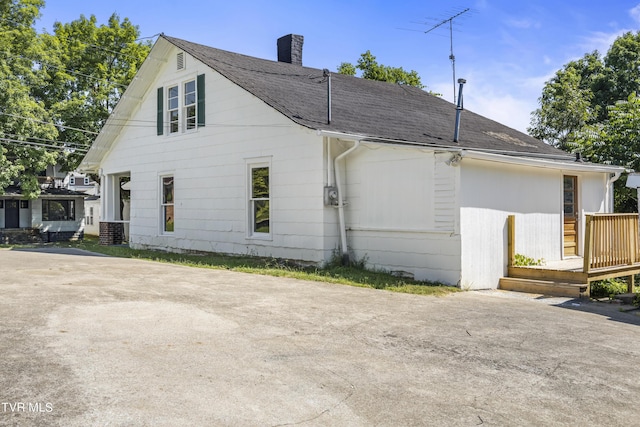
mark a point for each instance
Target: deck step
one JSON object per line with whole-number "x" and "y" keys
{"x": 545, "y": 287}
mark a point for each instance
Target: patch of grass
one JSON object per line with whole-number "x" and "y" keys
{"x": 332, "y": 273}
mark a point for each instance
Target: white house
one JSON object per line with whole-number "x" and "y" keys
{"x": 76, "y": 181}
{"x": 82, "y": 183}
{"x": 236, "y": 154}
{"x": 57, "y": 215}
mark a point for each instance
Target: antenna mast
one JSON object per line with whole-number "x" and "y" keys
{"x": 451, "y": 55}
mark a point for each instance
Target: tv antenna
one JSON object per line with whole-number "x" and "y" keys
{"x": 451, "y": 55}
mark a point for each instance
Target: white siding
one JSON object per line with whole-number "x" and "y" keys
{"x": 57, "y": 226}
{"x": 209, "y": 167}
{"x": 491, "y": 191}
{"x": 92, "y": 229}
{"x": 401, "y": 211}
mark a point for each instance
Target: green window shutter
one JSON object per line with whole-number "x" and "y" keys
{"x": 200, "y": 90}
{"x": 160, "y": 118}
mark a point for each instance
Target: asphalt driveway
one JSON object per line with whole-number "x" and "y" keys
{"x": 90, "y": 340}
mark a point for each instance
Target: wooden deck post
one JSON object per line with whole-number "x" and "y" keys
{"x": 511, "y": 236}
{"x": 588, "y": 244}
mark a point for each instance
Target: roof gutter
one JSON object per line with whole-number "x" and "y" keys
{"x": 562, "y": 163}
{"x": 553, "y": 161}
{"x": 440, "y": 147}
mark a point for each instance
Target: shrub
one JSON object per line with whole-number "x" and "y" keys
{"x": 523, "y": 261}
{"x": 608, "y": 288}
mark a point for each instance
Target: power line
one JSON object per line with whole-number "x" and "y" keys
{"x": 75, "y": 144}
{"x": 39, "y": 144}
{"x": 47, "y": 123}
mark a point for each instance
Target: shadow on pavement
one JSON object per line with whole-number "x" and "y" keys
{"x": 612, "y": 310}
{"x": 60, "y": 251}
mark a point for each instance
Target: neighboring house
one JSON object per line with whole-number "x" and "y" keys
{"x": 82, "y": 183}
{"x": 76, "y": 181}
{"x": 92, "y": 215}
{"x": 56, "y": 215}
{"x": 236, "y": 154}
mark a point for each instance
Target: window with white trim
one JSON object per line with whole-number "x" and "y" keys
{"x": 181, "y": 107}
{"x": 173, "y": 116}
{"x": 189, "y": 105}
{"x": 167, "y": 204}
{"x": 259, "y": 200}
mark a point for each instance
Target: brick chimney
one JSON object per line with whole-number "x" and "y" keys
{"x": 290, "y": 49}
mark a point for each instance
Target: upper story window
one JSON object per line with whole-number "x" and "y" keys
{"x": 184, "y": 108}
{"x": 190, "y": 105}
{"x": 172, "y": 109}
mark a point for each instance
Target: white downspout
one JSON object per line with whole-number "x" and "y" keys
{"x": 329, "y": 166}
{"x": 343, "y": 226}
{"x": 609, "y": 191}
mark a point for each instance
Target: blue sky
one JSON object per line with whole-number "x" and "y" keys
{"x": 505, "y": 49}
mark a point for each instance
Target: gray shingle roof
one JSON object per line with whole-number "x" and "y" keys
{"x": 363, "y": 107}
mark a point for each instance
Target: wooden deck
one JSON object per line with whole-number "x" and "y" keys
{"x": 611, "y": 250}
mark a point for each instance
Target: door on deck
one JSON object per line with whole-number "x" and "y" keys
{"x": 570, "y": 215}
{"x": 11, "y": 214}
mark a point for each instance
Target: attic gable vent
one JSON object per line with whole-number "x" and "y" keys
{"x": 180, "y": 60}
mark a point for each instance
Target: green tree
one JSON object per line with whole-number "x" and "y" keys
{"x": 93, "y": 68}
{"x": 616, "y": 140}
{"x": 590, "y": 106}
{"x": 23, "y": 119}
{"x": 371, "y": 70}
{"x": 622, "y": 68}
{"x": 565, "y": 108}
{"x": 57, "y": 90}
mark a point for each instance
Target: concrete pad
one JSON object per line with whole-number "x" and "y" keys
{"x": 92, "y": 340}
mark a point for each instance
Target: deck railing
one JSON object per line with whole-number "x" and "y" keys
{"x": 611, "y": 240}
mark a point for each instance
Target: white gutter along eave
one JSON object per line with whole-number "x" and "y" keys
{"x": 543, "y": 163}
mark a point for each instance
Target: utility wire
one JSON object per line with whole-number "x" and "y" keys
{"x": 38, "y": 144}
{"x": 47, "y": 123}
{"x": 76, "y": 144}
